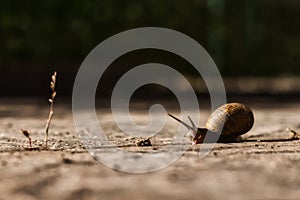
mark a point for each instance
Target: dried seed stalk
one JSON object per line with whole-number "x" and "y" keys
{"x": 51, "y": 111}
{"x": 27, "y": 134}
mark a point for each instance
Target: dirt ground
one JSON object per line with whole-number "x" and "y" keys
{"x": 261, "y": 168}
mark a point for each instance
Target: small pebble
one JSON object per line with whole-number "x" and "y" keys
{"x": 2, "y": 135}
{"x": 143, "y": 142}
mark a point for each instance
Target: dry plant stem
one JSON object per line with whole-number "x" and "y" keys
{"x": 51, "y": 111}
{"x": 48, "y": 123}
{"x": 30, "y": 143}
{"x": 26, "y": 133}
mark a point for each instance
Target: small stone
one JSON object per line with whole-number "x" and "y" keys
{"x": 143, "y": 142}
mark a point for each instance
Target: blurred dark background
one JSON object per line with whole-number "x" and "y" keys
{"x": 255, "y": 43}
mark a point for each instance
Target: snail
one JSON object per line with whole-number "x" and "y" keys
{"x": 228, "y": 122}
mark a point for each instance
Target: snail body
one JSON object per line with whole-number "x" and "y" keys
{"x": 227, "y": 122}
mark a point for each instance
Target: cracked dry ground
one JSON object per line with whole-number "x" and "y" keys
{"x": 247, "y": 170}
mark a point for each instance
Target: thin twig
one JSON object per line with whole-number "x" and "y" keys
{"x": 51, "y": 111}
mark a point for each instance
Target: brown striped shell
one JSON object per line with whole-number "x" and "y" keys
{"x": 232, "y": 119}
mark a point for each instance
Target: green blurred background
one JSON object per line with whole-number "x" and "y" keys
{"x": 252, "y": 40}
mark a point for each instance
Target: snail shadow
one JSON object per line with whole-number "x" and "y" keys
{"x": 270, "y": 140}
{"x": 206, "y": 136}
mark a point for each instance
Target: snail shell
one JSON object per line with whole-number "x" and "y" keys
{"x": 232, "y": 119}
{"x": 229, "y": 121}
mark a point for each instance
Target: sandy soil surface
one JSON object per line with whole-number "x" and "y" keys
{"x": 258, "y": 169}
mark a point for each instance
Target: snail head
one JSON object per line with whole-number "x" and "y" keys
{"x": 198, "y": 133}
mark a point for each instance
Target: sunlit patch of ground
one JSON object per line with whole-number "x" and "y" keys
{"x": 259, "y": 169}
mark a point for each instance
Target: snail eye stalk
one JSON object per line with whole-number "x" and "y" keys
{"x": 193, "y": 127}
